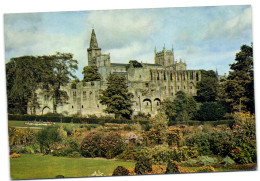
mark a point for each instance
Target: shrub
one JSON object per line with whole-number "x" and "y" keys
{"x": 191, "y": 162}
{"x": 130, "y": 153}
{"x": 143, "y": 165}
{"x": 172, "y": 167}
{"x": 207, "y": 161}
{"x": 174, "y": 135}
{"x": 206, "y": 169}
{"x": 201, "y": 141}
{"x": 228, "y": 161}
{"x": 19, "y": 136}
{"x": 47, "y": 138}
{"x": 100, "y": 144}
{"x": 210, "y": 111}
{"x": 14, "y": 155}
{"x": 120, "y": 171}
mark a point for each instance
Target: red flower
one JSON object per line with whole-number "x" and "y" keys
{"x": 235, "y": 151}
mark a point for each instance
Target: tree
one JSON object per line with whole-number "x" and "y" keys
{"x": 239, "y": 85}
{"x": 23, "y": 77}
{"x": 91, "y": 73}
{"x": 62, "y": 66}
{"x": 208, "y": 86}
{"x": 182, "y": 108}
{"x": 116, "y": 97}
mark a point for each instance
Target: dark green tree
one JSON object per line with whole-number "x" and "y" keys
{"x": 181, "y": 109}
{"x": 23, "y": 77}
{"x": 116, "y": 97}
{"x": 91, "y": 73}
{"x": 239, "y": 85}
{"x": 207, "y": 88}
{"x": 61, "y": 68}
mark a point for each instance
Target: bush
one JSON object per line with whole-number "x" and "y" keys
{"x": 228, "y": 161}
{"x": 47, "y": 138}
{"x": 20, "y": 136}
{"x": 120, "y": 171}
{"x": 172, "y": 167}
{"x": 201, "y": 141}
{"x": 143, "y": 165}
{"x": 207, "y": 161}
{"x": 130, "y": 153}
{"x": 100, "y": 144}
{"x": 191, "y": 162}
{"x": 210, "y": 111}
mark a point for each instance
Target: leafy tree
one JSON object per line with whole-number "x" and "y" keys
{"x": 210, "y": 111}
{"x": 207, "y": 87}
{"x": 91, "y": 73}
{"x": 116, "y": 97}
{"x": 182, "y": 108}
{"x": 23, "y": 76}
{"x": 239, "y": 85}
{"x": 62, "y": 66}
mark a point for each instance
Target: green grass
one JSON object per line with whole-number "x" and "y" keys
{"x": 46, "y": 166}
{"x": 21, "y": 124}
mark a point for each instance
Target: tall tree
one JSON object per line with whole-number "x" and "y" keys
{"x": 91, "y": 73}
{"x": 239, "y": 85}
{"x": 23, "y": 77}
{"x": 207, "y": 87}
{"x": 62, "y": 66}
{"x": 116, "y": 97}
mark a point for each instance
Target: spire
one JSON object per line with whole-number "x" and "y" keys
{"x": 155, "y": 50}
{"x": 93, "y": 40}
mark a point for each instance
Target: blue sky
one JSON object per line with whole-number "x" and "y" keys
{"x": 205, "y": 37}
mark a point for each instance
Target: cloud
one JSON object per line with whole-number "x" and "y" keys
{"x": 117, "y": 28}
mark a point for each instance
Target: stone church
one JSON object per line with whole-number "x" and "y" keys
{"x": 149, "y": 83}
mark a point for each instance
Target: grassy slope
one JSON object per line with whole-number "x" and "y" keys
{"x": 39, "y": 166}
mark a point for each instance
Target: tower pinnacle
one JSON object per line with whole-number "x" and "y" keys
{"x": 93, "y": 40}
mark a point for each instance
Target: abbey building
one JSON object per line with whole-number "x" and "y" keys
{"x": 149, "y": 83}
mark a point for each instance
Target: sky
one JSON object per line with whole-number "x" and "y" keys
{"x": 205, "y": 37}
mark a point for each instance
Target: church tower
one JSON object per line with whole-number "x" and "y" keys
{"x": 93, "y": 51}
{"x": 164, "y": 57}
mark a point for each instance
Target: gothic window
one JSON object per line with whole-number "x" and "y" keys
{"x": 82, "y": 106}
{"x": 84, "y": 94}
{"x": 92, "y": 83}
{"x": 164, "y": 76}
{"x": 184, "y": 87}
{"x": 146, "y": 84}
{"x": 72, "y": 107}
{"x": 74, "y": 93}
{"x": 73, "y": 86}
{"x": 190, "y": 87}
{"x": 184, "y": 76}
{"x": 151, "y": 76}
{"x": 140, "y": 76}
{"x": 171, "y": 76}
{"x": 84, "y": 84}
{"x": 191, "y": 76}
{"x": 197, "y": 77}
{"x": 158, "y": 76}
{"x": 178, "y": 87}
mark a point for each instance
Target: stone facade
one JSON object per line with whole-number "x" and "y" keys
{"x": 150, "y": 83}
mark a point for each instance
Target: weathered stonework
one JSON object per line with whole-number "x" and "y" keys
{"x": 150, "y": 83}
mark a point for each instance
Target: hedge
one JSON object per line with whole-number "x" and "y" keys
{"x": 69, "y": 119}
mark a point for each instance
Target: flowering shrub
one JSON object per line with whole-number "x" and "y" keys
{"x": 100, "y": 144}
{"x": 143, "y": 166}
{"x": 14, "y": 155}
{"x": 19, "y": 136}
{"x": 132, "y": 139}
{"x": 174, "y": 135}
{"x": 228, "y": 161}
{"x": 172, "y": 167}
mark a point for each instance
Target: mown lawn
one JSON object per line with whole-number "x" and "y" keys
{"x": 21, "y": 124}
{"x": 46, "y": 166}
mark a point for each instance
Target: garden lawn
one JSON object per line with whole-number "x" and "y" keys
{"x": 38, "y": 166}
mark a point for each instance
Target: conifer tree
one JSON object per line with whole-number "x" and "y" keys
{"x": 116, "y": 97}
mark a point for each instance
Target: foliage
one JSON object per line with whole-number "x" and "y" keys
{"x": 208, "y": 86}
{"x": 14, "y": 155}
{"x": 130, "y": 153}
{"x": 91, "y": 73}
{"x": 143, "y": 166}
{"x": 181, "y": 109}
{"x": 48, "y": 137}
{"x": 228, "y": 161}
{"x": 174, "y": 135}
{"x": 206, "y": 169}
{"x": 201, "y": 141}
{"x": 239, "y": 85}
{"x": 120, "y": 171}
{"x": 207, "y": 161}
{"x": 210, "y": 111}
{"x": 116, "y": 97}
{"x": 19, "y": 136}
{"x": 100, "y": 144}
{"x": 172, "y": 167}
{"x": 191, "y": 162}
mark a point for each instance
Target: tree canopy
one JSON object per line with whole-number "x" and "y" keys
{"x": 91, "y": 73}
{"x": 26, "y": 74}
{"x": 116, "y": 96}
{"x": 239, "y": 85}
